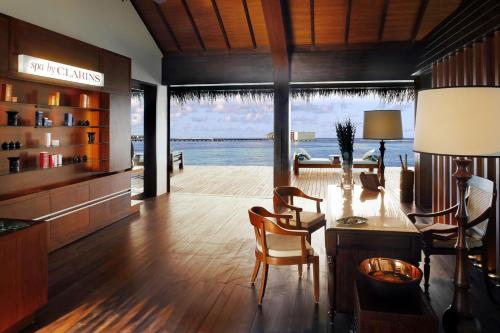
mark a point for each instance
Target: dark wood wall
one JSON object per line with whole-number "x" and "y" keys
{"x": 475, "y": 64}
{"x": 19, "y": 37}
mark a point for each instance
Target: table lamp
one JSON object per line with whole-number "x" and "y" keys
{"x": 460, "y": 122}
{"x": 382, "y": 125}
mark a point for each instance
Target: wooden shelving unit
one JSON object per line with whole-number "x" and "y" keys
{"x": 73, "y": 140}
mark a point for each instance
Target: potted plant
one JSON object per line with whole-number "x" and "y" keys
{"x": 346, "y": 130}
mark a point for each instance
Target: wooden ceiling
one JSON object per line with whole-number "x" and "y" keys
{"x": 213, "y": 26}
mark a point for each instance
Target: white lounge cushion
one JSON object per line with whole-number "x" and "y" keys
{"x": 364, "y": 162}
{"x": 284, "y": 246}
{"x": 305, "y": 153}
{"x": 316, "y": 161}
{"x": 307, "y": 219}
{"x": 472, "y": 242}
{"x": 368, "y": 155}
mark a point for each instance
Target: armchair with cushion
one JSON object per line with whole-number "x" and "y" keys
{"x": 301, "y": 219}
{"x": 279, "y": 246}
{"x": 440, "y": 238}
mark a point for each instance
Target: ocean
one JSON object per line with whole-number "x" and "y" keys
{"x": 260, "y": 152}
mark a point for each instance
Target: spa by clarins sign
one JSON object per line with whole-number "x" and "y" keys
{"x": 54, "y": 70}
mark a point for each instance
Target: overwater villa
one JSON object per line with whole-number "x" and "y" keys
{"x": 340, "y": 246}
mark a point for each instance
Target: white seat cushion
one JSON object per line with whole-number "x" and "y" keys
{"x": 284, "y": 246}
{"x": 316, "y": 160}
{"x": 472, "y": 242}
{"x": 307, "y": 219}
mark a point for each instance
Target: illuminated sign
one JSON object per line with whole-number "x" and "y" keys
{"x": 54, "y": 70}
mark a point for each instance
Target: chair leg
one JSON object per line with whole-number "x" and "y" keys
{"x": 300, "y": 271}
{"x": 263, "y": 282}
{"x": 308, "y": 238}
{"x": 316, "y": 278}
{"x": 255, "y": 270}
{"x": 427, "y": 272}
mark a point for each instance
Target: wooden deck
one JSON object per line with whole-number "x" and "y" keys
{"x": 257, "y": 181}
{"x": 184, "y": 265}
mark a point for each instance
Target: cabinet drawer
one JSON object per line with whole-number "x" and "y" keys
{"x": 68, "y": 196}
{"x": 26, "y": 208}
{"x": 109, "y": 211}
{"x": 109, "y": 185}
{"x": 68, "y": 228}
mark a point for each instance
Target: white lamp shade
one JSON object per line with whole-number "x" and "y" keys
{"x": 458, "y": 121}
{"x": 382, "y": 125}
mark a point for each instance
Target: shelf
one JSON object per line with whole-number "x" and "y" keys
{"x": 47, "y": 127}
{"x": 50, "y": 107}
{"x": 52, "y": 147}
{"x": 67, "y": 164}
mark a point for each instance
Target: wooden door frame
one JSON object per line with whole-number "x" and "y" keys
{"x": 150, "y": 97}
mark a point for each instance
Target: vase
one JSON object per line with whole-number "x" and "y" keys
{"x": 12, "y": 117}
{"x": 347, "y": 180}
{"x": 91, "y": 136}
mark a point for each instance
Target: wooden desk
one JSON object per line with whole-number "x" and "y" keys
{"x": 412, "y": 314}
{"x": 388, "y": 233}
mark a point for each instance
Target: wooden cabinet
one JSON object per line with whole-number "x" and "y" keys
{"x": 68, "y": 196}
{"x": 109, "y": 185}
{"x": 119, "y": 132}
{"x": 24, "y": 277}
{"x": 116, "y": 69}
{"x": 109, "y": 211}
{"x": 28, "y": 207}
{"x": 65, "y": 229}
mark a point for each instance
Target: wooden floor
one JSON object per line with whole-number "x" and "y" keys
{"x": 184, "y": 265}
{"x": 257, "y": 181}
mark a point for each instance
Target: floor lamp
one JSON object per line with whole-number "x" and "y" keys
{"x": 460, "y": 122}
{"x": 382, "y": 125}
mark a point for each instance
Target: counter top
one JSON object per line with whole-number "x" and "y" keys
{"x": 383, "y": 213}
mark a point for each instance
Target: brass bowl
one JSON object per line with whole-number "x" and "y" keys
{"x": 390, "y": 277}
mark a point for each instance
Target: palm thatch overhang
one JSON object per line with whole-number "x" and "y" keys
{"x": 388, "y": 92}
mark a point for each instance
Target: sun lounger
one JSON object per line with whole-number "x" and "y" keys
{"x": 303, "y": 160}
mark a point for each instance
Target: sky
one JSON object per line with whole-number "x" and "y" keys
{"x": 237, "y": 118}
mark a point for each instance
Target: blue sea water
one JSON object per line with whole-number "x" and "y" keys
{"x": 260, "y": 152}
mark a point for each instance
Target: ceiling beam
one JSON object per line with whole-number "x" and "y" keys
{"x": 382, "y": 20}
{"x": 313, "y": 32}
{"x": 193, "y": 24}
{"x": 147, "y": 25}
{"x": 169, "y": 29}
{"x": 418, "y": 20}
{"x": 249, "y": 22}
{"x": 221, "y": 24}
{"x": 275, "y": 23}
{"x": 347, "y": 21}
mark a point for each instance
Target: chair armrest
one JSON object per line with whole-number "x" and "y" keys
{"x": 412, "y": 216}
{"x": 278, "y": 229}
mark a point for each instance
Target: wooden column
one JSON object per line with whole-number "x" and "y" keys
{"x": 275, "y": 24}
{"x": 282, "y": 162}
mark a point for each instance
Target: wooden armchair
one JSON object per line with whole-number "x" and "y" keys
{"x": 278, "y": 246}
{"x": 305, "y": 220}
{"x": 440, "y": 238}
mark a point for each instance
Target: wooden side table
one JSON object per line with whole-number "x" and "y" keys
{"x": 412, "y": 314}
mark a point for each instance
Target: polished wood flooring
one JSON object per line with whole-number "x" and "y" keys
{"x": 184, "y": 264}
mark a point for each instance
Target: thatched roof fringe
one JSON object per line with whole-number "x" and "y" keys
{"x": 387, "y": 94}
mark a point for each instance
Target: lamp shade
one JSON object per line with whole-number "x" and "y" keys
{"x": 382, "y": 125}
{"x": 458, "y": 121}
